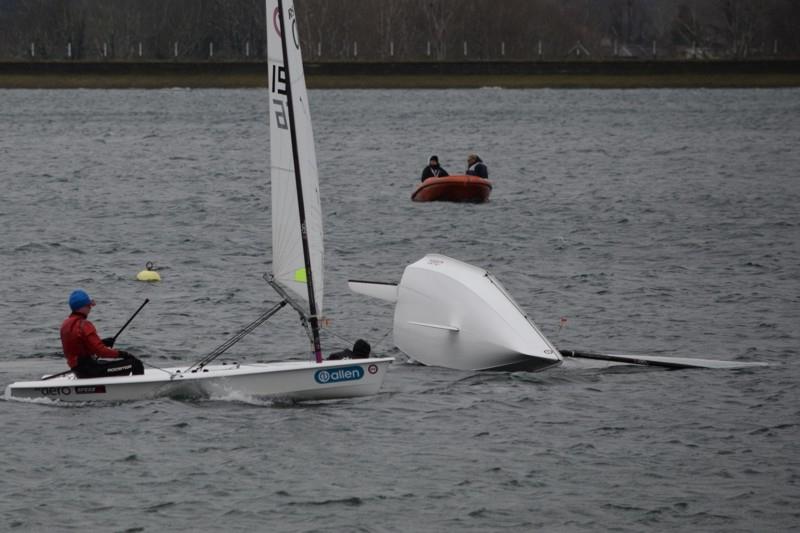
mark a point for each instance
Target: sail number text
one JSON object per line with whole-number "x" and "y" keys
{"x": 278, "y": 86}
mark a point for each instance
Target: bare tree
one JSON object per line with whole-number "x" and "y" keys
{"x": 438, "y": 17}
{"x": 741, "y": 20}
{"x": 686, "y": 27}
{"x": 391, "y": 26}
{"x": 329, "y": 28}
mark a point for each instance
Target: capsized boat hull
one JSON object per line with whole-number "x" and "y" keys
{"x": 455, "y": 315}
{"x": 290, "y": 380}
{"x": 459, "y": 188}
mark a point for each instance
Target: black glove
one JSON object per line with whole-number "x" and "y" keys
{"x": 109, "y": 341}
{"x": 123, "y": 353}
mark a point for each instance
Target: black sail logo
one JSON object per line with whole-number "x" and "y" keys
{"x": 276, "y": 21}
{"x": 295, "y": 36}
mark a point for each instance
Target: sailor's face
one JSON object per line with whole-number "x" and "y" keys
{"x": 434, "y": 163}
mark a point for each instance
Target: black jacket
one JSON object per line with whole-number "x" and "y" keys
{"x": 346, "y": 354}
{"x": 478, "y": 169}
{"x": 429, "y": 172}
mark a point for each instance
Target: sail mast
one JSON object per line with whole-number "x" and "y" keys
{"x": 312, "y": 305}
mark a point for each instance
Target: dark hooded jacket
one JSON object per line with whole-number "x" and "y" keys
{"x": 478, "y": 168}
{"x": 433, "y": 172}
{"x": 360, "y": 350}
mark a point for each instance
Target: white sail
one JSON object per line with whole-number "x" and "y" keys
{"x": 288, "y": 262}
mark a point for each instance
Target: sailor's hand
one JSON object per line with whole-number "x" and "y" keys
{"x": 123, "y": 353}
{"x": 109, "y": 341}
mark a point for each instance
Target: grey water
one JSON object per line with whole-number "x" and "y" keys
{"x": 636, "y": 221}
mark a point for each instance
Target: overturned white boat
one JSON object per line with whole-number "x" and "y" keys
{"x": 297, "y": 271}
{"x": 452, "y": 314}
{"x": 456, "y": 315}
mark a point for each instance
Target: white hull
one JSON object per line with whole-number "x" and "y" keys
{"x": 455, "y": 315}
{"x": 290, "y": 380}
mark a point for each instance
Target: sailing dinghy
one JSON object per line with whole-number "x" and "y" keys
{"x": 296, "y": 275}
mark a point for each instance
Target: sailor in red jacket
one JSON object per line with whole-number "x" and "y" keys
{"x": 87, "y": 355}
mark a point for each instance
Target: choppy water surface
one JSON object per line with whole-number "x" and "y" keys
{"x": 655, "y": 221}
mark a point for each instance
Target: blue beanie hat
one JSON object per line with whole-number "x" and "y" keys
{"x": 79, "y": 299}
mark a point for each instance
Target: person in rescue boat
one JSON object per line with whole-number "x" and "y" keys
{"x": 476, "y": 167}
{"x": 360, "y": 350}
{"x": 87, "y": 355}
{"x": 433, "y": 170}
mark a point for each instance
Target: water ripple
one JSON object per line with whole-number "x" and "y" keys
{"x": 677, "y": 239}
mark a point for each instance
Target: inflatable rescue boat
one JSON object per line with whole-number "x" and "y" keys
{"x": 460, "y": 188}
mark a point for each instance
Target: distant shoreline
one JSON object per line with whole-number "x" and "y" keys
{"x": 362, "y": 75}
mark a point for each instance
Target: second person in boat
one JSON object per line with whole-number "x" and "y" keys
{"x": 433, "y": 170}
{"x": 361, "y": 350}
{"x": 476, "y": 167}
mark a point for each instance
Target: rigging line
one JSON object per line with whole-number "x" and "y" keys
{"x": 222, "y": 348}
{"x": 383, "y": 338}
{"x": 291, "y": 301}
{"x": 53, "y": 376}
{"x": 171, "y": 374}
{"x": 239, "y": 336}
{"x": 230, "y": 342}
{"x": 331, "y": 332}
